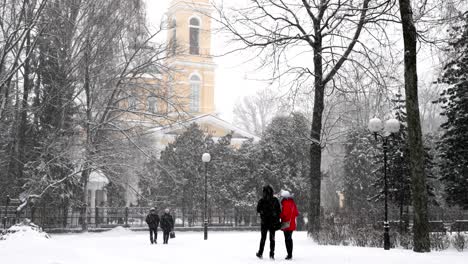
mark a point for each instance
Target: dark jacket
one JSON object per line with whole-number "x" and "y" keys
{"x": 268, "y": 207}
{"x": 167, "y": 222}
{"x": 152, "y": 220}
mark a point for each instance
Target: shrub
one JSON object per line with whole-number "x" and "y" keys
{"x": 406, "y": 240}
{"x": 459, "y": 241}
{"x": 333, "y": 235}
{"x": 360, "y": 237}
{"x": 439, "y": 241}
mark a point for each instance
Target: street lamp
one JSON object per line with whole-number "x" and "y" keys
{"x": 206, "y": 157}
{"x": 391, "y": 126}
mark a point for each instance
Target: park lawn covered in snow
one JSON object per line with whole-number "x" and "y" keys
{"x": 122, "y": 246}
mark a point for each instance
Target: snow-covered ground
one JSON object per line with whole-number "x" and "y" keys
{"x": 126, "y": 247}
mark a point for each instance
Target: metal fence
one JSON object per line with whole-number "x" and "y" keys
{"x": 51, "y": 218}
{"x": 108, "y": 217}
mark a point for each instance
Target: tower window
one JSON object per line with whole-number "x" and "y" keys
{"x": 152, "y": 103}
{"x": 132, "y": 103}
{"x": 194, "y": 26}
{"x": 173, "y": 40}
{"x": 194, "y": 93}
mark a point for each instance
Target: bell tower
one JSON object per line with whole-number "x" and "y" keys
{"x": 192, "y": 81}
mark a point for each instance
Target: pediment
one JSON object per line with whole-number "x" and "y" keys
{"x": 211, "y": 125}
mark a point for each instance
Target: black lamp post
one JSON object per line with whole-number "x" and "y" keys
{"x": 206, "y": 157}
{"x": 391, "y": 126}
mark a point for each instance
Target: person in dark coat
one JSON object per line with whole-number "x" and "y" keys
{"x": 269, "y": 209}
{"x": 167, "y": 225}
{"x": 289, "y": 213}
{"x": 152, "y": 219}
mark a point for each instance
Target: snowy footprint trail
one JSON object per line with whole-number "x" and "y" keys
{"x": 127, "y": 247}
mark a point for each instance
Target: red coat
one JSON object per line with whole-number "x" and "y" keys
{"x": 289, "y": 213}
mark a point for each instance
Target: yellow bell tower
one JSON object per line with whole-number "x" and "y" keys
{"x": 191, "y": 84}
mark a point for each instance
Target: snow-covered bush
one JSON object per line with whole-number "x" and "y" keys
{"x": 333, "y": 235}
{"x": 24, "y": 230}
{"x": 439, "y": 241}
{"x": 375, "y": 238}
{"x": 459, "y": 241}
{"x": 405, "y": 240}
{"x": 360, "y": 237}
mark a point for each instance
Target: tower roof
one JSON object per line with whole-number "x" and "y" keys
{"x": 202, "y": 6}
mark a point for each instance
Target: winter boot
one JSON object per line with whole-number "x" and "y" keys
{"x": 258, "y": 255}
{"x": 272, "y": 256}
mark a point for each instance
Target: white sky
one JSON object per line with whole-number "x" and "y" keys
{"x": 231, "y": 76}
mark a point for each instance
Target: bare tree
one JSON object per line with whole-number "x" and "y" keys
{"x": 253, "y": 113}
{"x": 416, "y": 149}
{"x": 281, "y": 30}
{"x": 68, "y": 70}
{"x": 19, "y": 33}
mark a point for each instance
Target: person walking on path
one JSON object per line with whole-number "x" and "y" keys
{"x": 269, "y": 209}
{"x": 167, "y": 225}
{"x": 152, "y": 219}
{"x": 288, "y": 220}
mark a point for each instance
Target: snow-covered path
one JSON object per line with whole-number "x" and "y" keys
{"x": 126, "y": 247}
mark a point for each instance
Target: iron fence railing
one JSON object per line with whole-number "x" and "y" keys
{"x": 107, "y": 217}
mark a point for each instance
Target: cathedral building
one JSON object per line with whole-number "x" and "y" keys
{"x": 191, "y": 76}
{"x": 168, "y": 102}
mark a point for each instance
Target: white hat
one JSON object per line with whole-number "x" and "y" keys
{"x": 285, "y": 194}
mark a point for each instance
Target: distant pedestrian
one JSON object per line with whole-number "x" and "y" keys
{"x": 288, "y": 220}
{"x": 269, "y": 209}
{"x": 152, "y": 219}
{"x": 167, "y": 225}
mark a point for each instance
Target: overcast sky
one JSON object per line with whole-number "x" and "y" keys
{"x": 233, "y": 80}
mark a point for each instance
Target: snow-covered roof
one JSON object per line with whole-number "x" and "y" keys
{"x": 98, "y": 177}
{"x": 207, "y": 119}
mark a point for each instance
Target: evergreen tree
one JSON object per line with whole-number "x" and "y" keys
{"x": 359, "y": 164}
{"x": 180, "y": 180}
{"x": 454, "y": 101}
{"x": 285, "y": 156}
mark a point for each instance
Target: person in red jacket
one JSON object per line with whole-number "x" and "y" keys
{"x": 288, "y": 214}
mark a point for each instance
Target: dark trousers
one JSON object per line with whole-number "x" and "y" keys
{"x": 166, "y": 236}
{"x": 155, "y": 232}
{"x": 264, "y": 230}
{"x": 289, "y": 242}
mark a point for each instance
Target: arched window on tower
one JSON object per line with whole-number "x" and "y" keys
{"x": 194, "y": 26}
{"x": 173, "y": 40}
{"x": 195, "y": 94}
{"x": 152, "y": 103}
{"x": 132, "y": 102}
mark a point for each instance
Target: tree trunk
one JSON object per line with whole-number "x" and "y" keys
{"x": 23, "y": 110}
{"x": 315, "y": 175}
{"x": 416, "y": 150}
{"x": 86, "y": 171}
{"x": 84, "y": 207}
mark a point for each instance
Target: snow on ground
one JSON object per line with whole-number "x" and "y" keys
{"x": 121, "y": 246}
